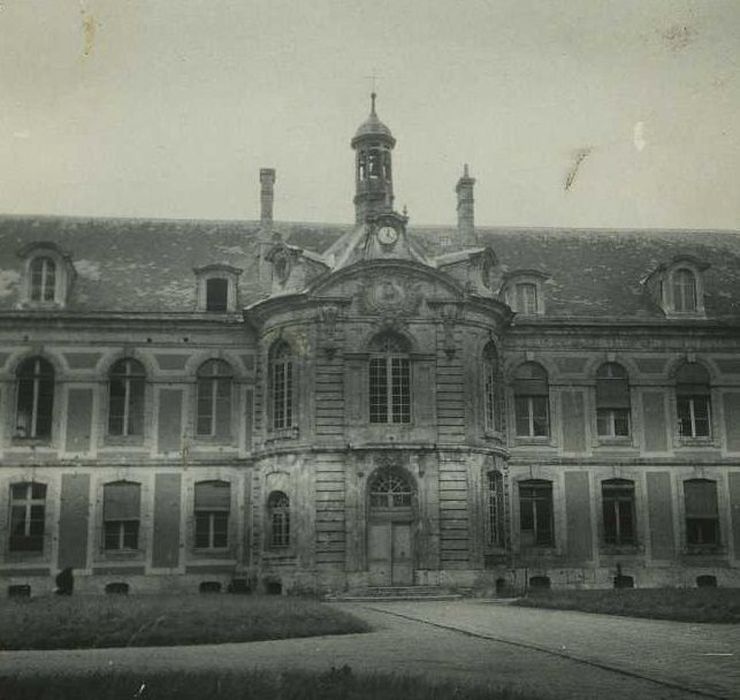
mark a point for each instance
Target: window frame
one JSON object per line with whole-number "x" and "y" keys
{"x": 689, "y": 396}
{"x": 389, "y": 377}
{"x": 531, "y": 404}
{"x": 694, "y": 522}
{"x": 618, "y": 496}
{"x": 133, "y": 399}
{"x": 42, "y": 380}
{"x": 611, "y": 409}
{"x": 118, "y": 530}
{"x": 683, "y": 302}
{"x": 47, "y": 285}
{"x": 282, "y": 387}
{"x": 224, "y": 272}
{"x": 529, "y": 502}
{"x": 212, "y": 516}
{"x": 279, "y": 520}
{"x": 27, "y": 502}
{"x": 207, "y": 392}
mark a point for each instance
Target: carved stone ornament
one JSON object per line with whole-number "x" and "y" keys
{"x": 393, "y": 459}
{"x": 327, "y": 316}
{"x": 388, "y": 296}
{"x": 282, "y": 263}
{"x": 450, "y": 315}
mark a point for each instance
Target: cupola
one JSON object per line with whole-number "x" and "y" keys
{"x": 373, "y": 143}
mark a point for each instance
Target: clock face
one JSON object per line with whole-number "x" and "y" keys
{"x": 387, "y": 235}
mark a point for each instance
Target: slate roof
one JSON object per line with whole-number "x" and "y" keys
{"x": 138, "y": 265}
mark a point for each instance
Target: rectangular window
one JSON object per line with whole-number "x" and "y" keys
{"x": 495, "y": 510}
{"x": 693, "y": 416}
{"x": 217, "y": 294}
{"x": 531, "y": 416}
{"x": 618, "y": 505}
{"x": 27, "y": 517}
{"x": 535, "y": 514}
{"x": 212, "y": 505}
{"x": 121, "y": 515}
{"x": 526, "y": 298}
{"x": 702, "y": 516}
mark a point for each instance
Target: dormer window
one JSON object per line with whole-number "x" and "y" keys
{"x": 524, "y": 292}
{"x": 48, "y": 274}
{"x": 217, "y": 294}
{"x": 43, "y": 279}
{"x": 217, "y": 288}
{"x": 684, "y": 291}
{"x": 678, "y": 287}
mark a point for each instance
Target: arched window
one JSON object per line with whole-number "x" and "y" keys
{"x": 214, "y": 399}
{"x": 684, "y": 290}
{"x": 121, "y": 515}
{"x": 390, "y": 381}
{"x": 43, "y": 279}
{"x": 702, "y": 514}
{"x": 531, "y": 398}
{"x": 126, "y": 384}
{"x": 27, "y": 516}
{"x": 618, "y": 506}
{"x": 490, "y": 374}
{"x": 212, "y": 506}
{"x": 281, "y": 389}
{"x": 390, "y": 489}
{"x": 693, "y": 401}
{"x": 35, "y": 398}
{"x": 535, "y": 513}
{"x": 612, "y": 401}
{"x": 278, "y": 512}
{"x": 495, "y": 509}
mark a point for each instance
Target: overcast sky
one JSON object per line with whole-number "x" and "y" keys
{"x": 572, "y": 113}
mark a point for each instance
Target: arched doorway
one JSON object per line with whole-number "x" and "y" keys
{"x": 390, "y": 554}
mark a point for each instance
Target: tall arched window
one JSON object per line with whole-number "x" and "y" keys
{"x": 126, "y": 385}
{"x": 121, "y": 515}
{"x": 214, "y": 399}
{"x": 490, "y": 374}
{"x": 693, "y": 402}
{"x": 684, "y": 290}
{"x": 390, "y": 381}
{"x": 212, "y": 506}
{"x": 43, "y": 279}
{"x": 531, "y": 398}
{"x": 35, "y": 398}
{"x": 281, "y": 385}
{"x": 27, "y": 516}
{"x": 278, "y": 512}
{"x": 612, "y": 401}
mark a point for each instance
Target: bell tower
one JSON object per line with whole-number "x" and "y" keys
{"x": 373, "y": 143}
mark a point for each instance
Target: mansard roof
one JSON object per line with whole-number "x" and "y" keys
{"x": 139, "y": 265}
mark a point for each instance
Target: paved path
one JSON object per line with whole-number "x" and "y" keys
{"x": 402, "y": 643}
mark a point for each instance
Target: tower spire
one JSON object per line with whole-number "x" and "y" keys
{"x": 373, "y": 96}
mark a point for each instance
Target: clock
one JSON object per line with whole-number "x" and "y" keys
{"x": 387, "y": 235}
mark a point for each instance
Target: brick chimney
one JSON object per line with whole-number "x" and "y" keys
{"x": 267, "y": 189}
{"x": 465, "y": 208}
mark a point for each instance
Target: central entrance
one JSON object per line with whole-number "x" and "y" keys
{"x": 390, "y": 555}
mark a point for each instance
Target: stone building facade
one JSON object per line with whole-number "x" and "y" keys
{"x": 191, "y": 405}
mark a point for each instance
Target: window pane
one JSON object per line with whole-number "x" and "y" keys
{"x": 44, "y": 408}
{"x": 136, "y": 409}
{"x": 544, "y": 521}
{"x": 131, "y": 534}
{"x": 621, "y": 422}
{"x": 539, "y": 409}
{"x": 521, "y": 407}
{"x": 378, "y": 391}
{"x": 220, "y": 529}
{"x": 18, "y": 520}
{"x": 202, "y": 529}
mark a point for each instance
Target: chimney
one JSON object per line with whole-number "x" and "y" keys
{"x": 267, "y": 188}
{"x": 465, "y": 208}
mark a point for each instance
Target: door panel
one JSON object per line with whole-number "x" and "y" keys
{"x": 379, "y": 553}
{"x": 402, "y": 571}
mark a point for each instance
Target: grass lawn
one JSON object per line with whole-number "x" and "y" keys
{"x": 336, "y": 684}
{"x": 80, "y": 622}
{"x": 683, "y": 604}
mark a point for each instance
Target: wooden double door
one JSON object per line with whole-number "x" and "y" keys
{"x": 390, "y": 553}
